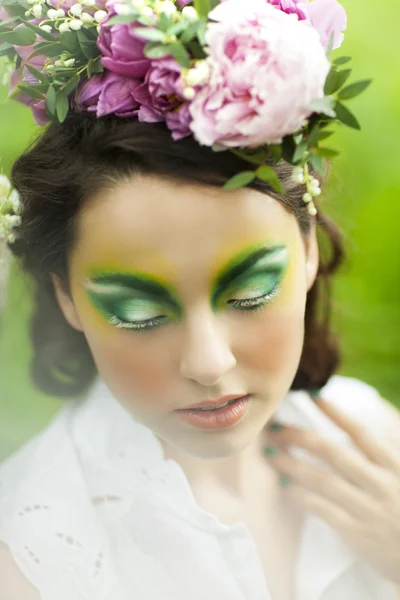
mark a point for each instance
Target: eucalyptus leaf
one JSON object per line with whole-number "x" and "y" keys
{"x": 323, "y": 135}
{"x": 253, "y": 157}
{"x": 201, "y": 32}
{"x": 69, "y": 41}
{"x": 51, "y": 98}
{"x": 8, "y": 52}
{"x": 164, "y": 22}
{"x": 335, "y": 80}
{"x": 88, "y": 47}
{"x": 353, "y": 90}
{"x": 313, "y": 136}
{"x": 62, "y": 105}
{"x": 240, "y": 180}
{"x": 190, "y": 32}
{"x": 152, "y": 50}
{"x": 178, "y": 28}
{"x": 51, "y": 50}
{"x": 268, "y": 174}
{"x": 346, "y": 117}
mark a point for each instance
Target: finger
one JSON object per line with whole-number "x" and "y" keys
{"x": 369, "y": 477}
{"x": 327, "y": 485}
{"x": 375, "y": 449}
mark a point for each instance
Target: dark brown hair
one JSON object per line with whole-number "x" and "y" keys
{"x": 67, "y": 165}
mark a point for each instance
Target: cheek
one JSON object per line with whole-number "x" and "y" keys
{"x": 130, "y": 369}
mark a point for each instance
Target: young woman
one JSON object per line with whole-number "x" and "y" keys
{"x": 206, "y": 450}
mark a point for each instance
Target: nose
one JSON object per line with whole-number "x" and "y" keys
{"x": 206, "y": 354}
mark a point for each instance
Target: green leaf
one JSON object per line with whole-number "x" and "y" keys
{"x": 335, "y": 80}
{"x": 177, "y": 28}
{"x": 154, "y": 35}
{"x": 44, "y": 34}
{"x": 50, "y": 50}
{"x": 313, "y": 136}
{"x": 31, "y": 91}
{"x": 119, "y": 19}
{"x": 346, "y": 117}
{"x": 324, "y": 135}
{"x": 179, "y": 52}
{"x": 8, "y": 52}
{"x": 253, "y": 157}
{"x": 325, "y": 106}
{"x": 299, "y": 152}
{"x": 164, "y": 22}
{"x": 69, "y": 41}
{"x": 329, "y": 48}
{"x": 268, "y": 174}
{"x": 51, "y": 98}
{"x": 353, "y": 90}
{"x": 88, "y": 47}
{"x": 62, "y": 106}
{"x": 240, "y": 180}
{"x": 152, "y": 50}
{"x": 38, "y": 74}
{"x": 276, "y": 153}
{"x": 201, "y": 32}
{"x": 71, "y": 85}
{"x": 318, "y": 163}
{"x": 342, "y": 60}
{"x": 326, "y": 152}
{"x": 98, "y": 67}
{"x": 21, "y": 36}
{"x": 203, "y": 7}
{"x": 190, "y": 32}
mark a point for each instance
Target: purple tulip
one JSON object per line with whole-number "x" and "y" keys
{"x": 108, "y": 93}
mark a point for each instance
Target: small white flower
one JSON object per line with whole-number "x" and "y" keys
{"x": 316, "y": 191}
{"x": 100, "y": 15}
{"x": 37, "y": 11}
{"x": 98, "y": 28}
{"x": 69, "y": 62}
{"x": 64, "y": 27}
{"x": 138, "y": 4}
{"x": 5, "y": 188}
{"x": 189, "y": 93}
{"x": 307, "y": 197}
{"x": 60, "y": 13}
{"x": 86, "y": 18}
{"x": 190, "y": 13}
{"x": 89, "y": 2}
{"x": 15, "y": 201}
{"x": 123, "y": 9}
{"x": 47, "y": 28}
{"x": 312, "y": 210}
{"x": 76, "y": 10}
{"x": 52, "y": 13}
{"x": 59, "y": 63}
{"x": 167, "y": 8}
{"x": 147, "y": 11}
{"x": 11, "y": 221}
{"x": 75, "y": 25}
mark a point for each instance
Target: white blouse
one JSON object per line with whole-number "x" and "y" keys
{"x": 91, "y": 510}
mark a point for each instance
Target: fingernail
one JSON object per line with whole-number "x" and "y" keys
{"x": 284, "y": 481}
{"x": 315, "y": 393}
{"x": 275, "y": 426}
{"x": 271, "y": 451}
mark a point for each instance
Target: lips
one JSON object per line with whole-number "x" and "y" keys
{"x": 214, "y": 404}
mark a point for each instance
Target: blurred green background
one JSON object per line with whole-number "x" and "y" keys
{"x": 362, "y": 196}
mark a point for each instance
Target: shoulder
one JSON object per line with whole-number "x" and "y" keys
{"x": 364, "y": 404}
{"x": 13, "y": 584}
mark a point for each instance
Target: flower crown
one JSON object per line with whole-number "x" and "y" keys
{"x": 253, "y": 77}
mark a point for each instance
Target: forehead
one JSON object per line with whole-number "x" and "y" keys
{"x": 155, "y": 223}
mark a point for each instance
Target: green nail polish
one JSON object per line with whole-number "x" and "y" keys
{"x": 275, "y": 426}
{"x": 284, "y": 480}
{"x": 271, "y": 451}
{"x": 314, "y": 393}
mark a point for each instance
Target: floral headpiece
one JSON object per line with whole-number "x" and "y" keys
{"x": 253, "y": 77}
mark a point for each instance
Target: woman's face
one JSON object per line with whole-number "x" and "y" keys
{"x": 163, "y": 277}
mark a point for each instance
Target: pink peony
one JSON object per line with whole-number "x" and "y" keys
{"x": 122, "y": 50}
{"x": 296, "y": 7}
{"x": 161, "y": 97}
{"x": 266, "y": 69}
{"x": 328, "y": 17}
{"x": 108, "y": 93}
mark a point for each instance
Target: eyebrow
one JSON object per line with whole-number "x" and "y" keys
{"x": 135, "y": 283}
{"x": 239, "y": 265}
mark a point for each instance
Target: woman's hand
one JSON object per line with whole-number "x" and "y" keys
{"x": 360, "y": 500}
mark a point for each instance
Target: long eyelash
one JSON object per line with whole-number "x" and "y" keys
{"x": 258, "y": 304}
{"x": 139, "y": 328}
